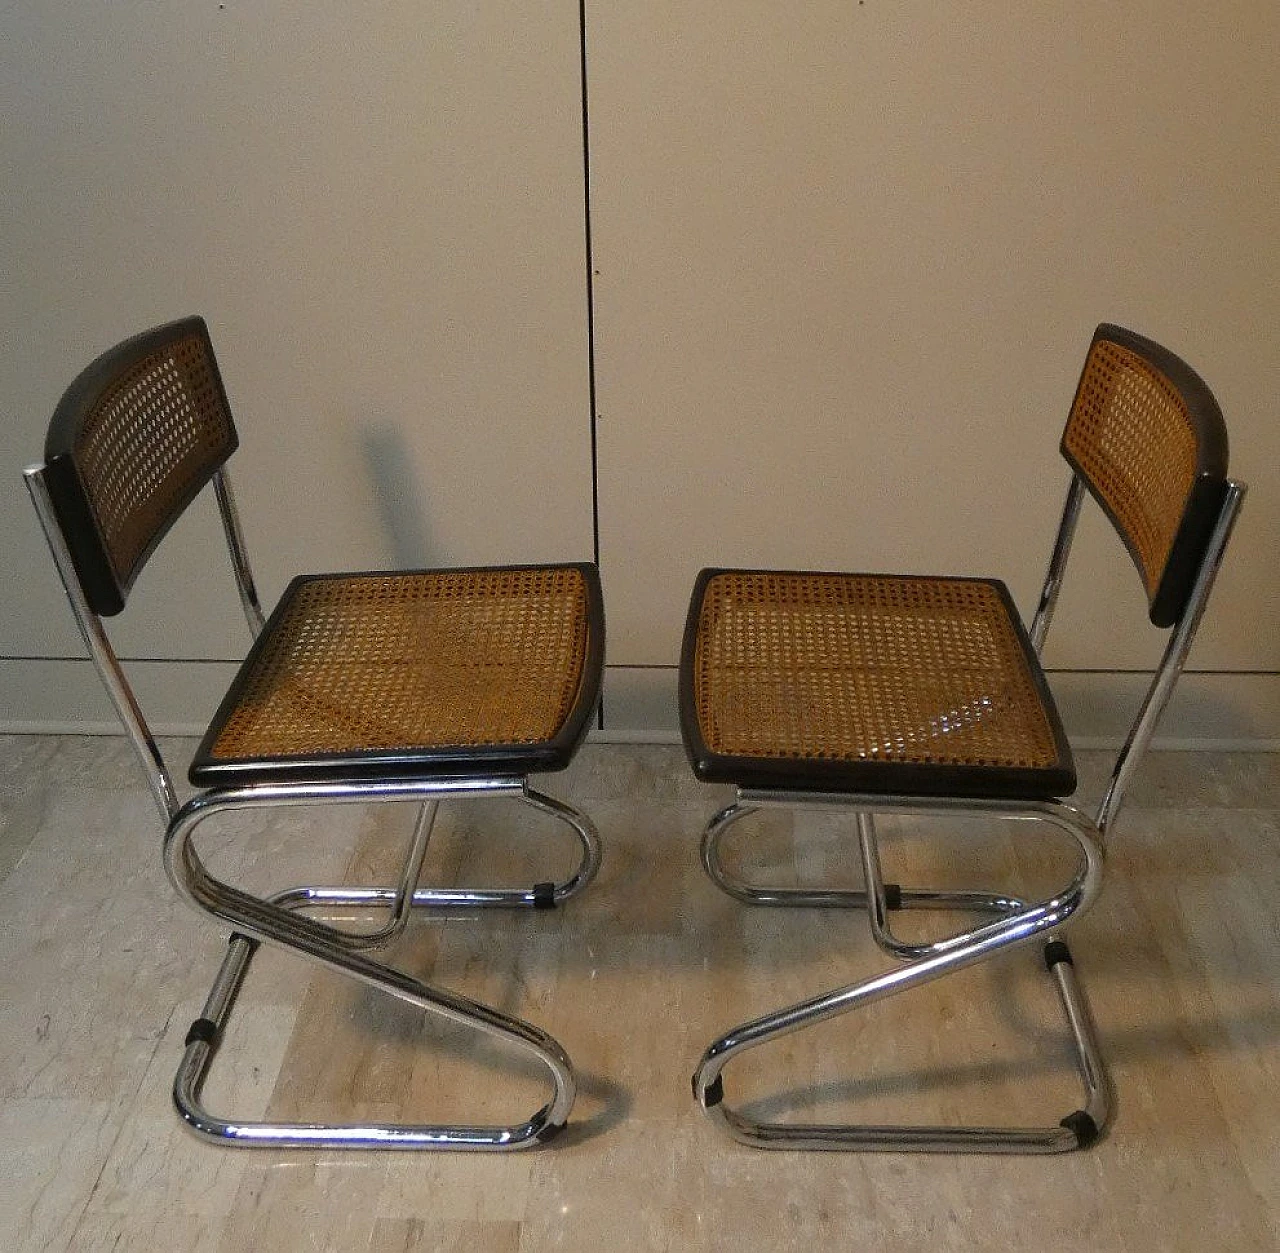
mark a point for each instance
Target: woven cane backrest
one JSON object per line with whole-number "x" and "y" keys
{"x": 1147, "y": 437}
{"x": 132, "y": 442}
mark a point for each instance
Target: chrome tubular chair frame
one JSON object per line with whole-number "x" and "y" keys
{"x": 1011, "y": 922}
{"x": 1018, "y": 924}
{"x": 277, "y": 919}
{"x": 274, "y": 921}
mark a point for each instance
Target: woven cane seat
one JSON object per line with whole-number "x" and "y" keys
{"x": 870, "y": 683}
{"x": 449, "y": 673}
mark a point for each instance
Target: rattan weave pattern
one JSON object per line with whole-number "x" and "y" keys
{"x": 1130, "y": 433}
{"x": 160, "y": 428}
{"x": 396, "y": 662}
{"x": 848, "y": 667}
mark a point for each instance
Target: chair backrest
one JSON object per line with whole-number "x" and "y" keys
{"x": 1147, "y": 437}
{"x": 132, "y": 442}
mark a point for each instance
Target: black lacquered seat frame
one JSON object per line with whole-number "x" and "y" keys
{"x": 929, "y": 761}
{"x": 374, "y": 751}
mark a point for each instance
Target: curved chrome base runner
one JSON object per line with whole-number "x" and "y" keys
{"x": 1016, "y": 923}
{"x": 276, "y": 921}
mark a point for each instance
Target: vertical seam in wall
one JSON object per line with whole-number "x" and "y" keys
{"x": 591, "y": 298}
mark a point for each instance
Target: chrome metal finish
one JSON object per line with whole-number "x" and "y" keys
{"x": 239, "y": 553}
{"x": 1058, "y": 812}
{"x": 1016, "y": 922}
{"x": 280, "y": 919}
{"x": 916, "y": 898}
{"x": 1057, "y": 564}
{"x": 480, "y": 898}
{"x": 276, "y": 920}
{"x": 1175, "y": 656}
{"x": 978, "y": 902}
{"x": 101, "y": 653}
{"x": 844, "y": 898}
{"x": 1084, "y": 1034}
{"x": 1033, "y": 921}
{"x": 198, "y": 1056}
{"x": 398, "y": 900}
{"x": 841, "y": 898}
{"x": 587, "y": 837}
{"x": 890, "y": 1139}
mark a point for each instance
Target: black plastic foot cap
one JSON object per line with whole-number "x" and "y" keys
{"x": 203, "y": 1031}
{"x": 1085, "y": 1128}
{"x": 1055, "y": 952}
{"x": 544, "y": 896}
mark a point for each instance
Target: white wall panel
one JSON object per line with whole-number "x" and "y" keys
{"x": 378, "y": 208}
{"x": 849, "y": 260}
{"x": 848, "y": 257}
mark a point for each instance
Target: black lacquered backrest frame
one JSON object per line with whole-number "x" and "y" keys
{"x": 1147, "y": 438}
{"x": 132, "y": 442}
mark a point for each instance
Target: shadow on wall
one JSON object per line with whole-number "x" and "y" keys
{"x": 399, "y": 498}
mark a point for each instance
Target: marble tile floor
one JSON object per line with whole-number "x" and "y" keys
{"x": 102, "y": 970}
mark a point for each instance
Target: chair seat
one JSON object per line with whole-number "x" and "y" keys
{"x": 438, "y": 673}
{"x": 883, "y": 684}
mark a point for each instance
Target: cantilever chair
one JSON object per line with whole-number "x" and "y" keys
{"x": 419, "y": 687}
{"x": 877, "y": 694}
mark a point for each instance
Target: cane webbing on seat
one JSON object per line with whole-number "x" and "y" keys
{"x": 442, "y": 667}
{"x": 886, "y": 683}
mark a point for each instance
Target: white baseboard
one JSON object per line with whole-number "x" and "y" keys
{"x": 1209, "y": 711}
{"x": 66, "y": 697}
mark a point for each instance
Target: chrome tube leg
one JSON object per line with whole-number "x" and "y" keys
{"x": 205, "y": 1034}
{"x": 588, "y": 843}
{"x": 399, "y": 900}
{"x": 545, "y": 895}
{"x": 752, "y": 894}
{"x": 877, "y": 905}
{"x": 1091, "y": 1122}
{"x": 278, "y": 922}
{"x": 880, "y": 899}
{"x": 1030, "y": 922}
{"x": 892, "y": 896}
{"x": 895, "y": 896}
